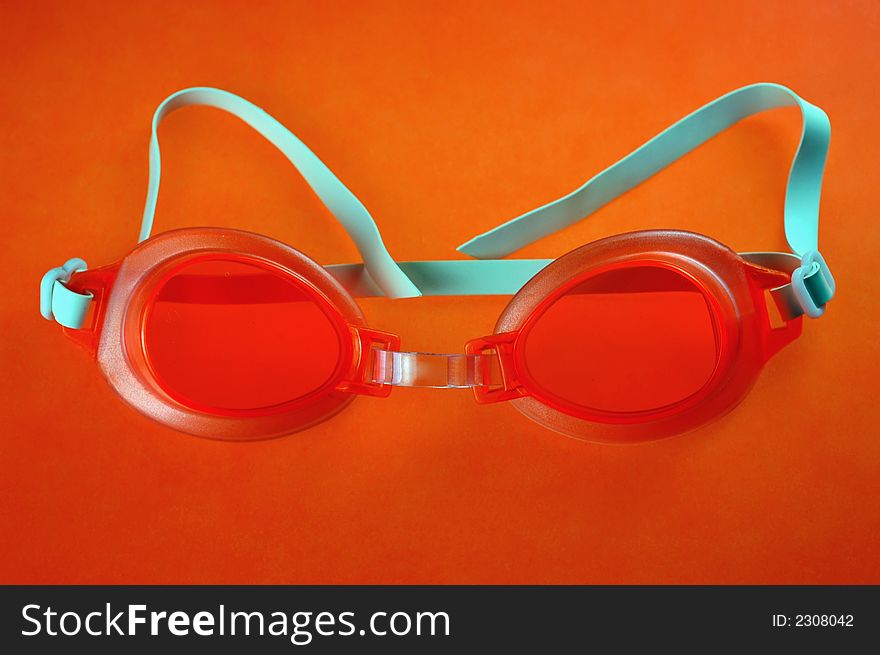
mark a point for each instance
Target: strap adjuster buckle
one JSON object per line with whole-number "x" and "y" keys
{"x": 813, "y": 284}
{"x": 60, "y": 303}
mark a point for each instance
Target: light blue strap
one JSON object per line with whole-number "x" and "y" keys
{"x": 802, "y": 196}
{"x": 341, "y": 202}
{"x": 468, "y": 277}
{"x": 380, "y": 275}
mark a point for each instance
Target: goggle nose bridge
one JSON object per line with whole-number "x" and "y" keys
{"x": 435, "y": 370}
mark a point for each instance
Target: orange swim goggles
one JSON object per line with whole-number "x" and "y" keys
{"x": 233, "y": 335}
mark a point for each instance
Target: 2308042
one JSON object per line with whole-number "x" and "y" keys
{"x": 823, "y": 620}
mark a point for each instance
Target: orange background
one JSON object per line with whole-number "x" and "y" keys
{"x": 445, "y": 118}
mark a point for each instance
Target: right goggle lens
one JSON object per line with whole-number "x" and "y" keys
{"x": 630, "y": 339}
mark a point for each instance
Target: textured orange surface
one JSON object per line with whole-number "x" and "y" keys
{"x": 445, "y": 118}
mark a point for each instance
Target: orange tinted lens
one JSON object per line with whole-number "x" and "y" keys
{"x": 626, "y": 340}
{"x": 230, "y": 335}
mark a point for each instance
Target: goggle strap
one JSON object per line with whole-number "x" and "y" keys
{"x": 811, "y": 287}
{"x": 501, "y": 277}
{"x": 340, "y": 201}
{"x": 801, "y": 214}
{"x": 460, "y": 277}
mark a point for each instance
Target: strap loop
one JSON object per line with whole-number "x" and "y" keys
{"x": 60, "y": 303}
{"x": 813, "y": 284}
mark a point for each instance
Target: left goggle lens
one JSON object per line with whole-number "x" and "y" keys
{"x": 227, "y": 336}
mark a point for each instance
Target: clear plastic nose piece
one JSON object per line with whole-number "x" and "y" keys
{"x": 435, "y": 371}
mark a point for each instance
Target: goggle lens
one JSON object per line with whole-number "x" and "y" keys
{"x": 227, "y": 335}
{"x": 629, "y": 339}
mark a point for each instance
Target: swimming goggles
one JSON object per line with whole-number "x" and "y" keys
{"x": 233, "y": 335}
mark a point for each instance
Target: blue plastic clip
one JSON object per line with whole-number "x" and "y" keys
{"x": 60, "y": 303}
{"x": 813, "y": 284}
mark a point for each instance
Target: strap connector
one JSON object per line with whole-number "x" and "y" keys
{"x": 60, "y": 303}
{"x": 813, "y": 284}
